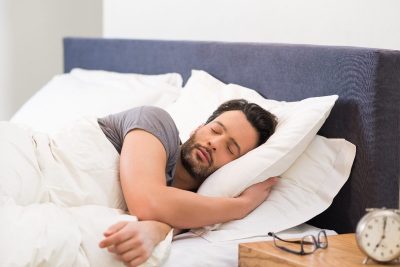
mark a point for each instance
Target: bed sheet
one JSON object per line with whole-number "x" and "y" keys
{"x": 190, "y": 250}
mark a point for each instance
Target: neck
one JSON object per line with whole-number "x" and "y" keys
{"x": 182, "y": 179}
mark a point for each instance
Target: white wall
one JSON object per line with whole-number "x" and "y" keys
{"x": 31, "y": 34}
{"x": 369, "y": 23}
{"x": 4, "y": 60}
{"x": 31, "y": 31}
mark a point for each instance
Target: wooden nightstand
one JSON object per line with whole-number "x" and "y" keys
{"x": 342, "y": 251}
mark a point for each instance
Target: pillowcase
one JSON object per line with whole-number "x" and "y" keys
{"x": 203, "y": 94}
{"x": 305, "y": 190}
{"x": 67, "y": 97}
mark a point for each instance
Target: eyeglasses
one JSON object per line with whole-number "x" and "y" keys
{"x": 308, "y": 244}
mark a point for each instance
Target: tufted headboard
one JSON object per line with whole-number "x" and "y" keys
{"x": 366, "y": 114}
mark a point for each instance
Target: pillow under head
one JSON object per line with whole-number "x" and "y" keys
{"x": 325, "y": 161}
{"x": 298, "y": 123}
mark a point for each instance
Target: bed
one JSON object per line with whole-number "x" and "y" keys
{"x": 366, "y": 113}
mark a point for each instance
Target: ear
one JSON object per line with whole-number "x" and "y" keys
{"x": 195, "y": 130}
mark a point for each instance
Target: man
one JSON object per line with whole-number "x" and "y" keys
{"x": 159, "y": 176}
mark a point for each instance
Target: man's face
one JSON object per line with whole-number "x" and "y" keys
{"x": 217, "y": 143}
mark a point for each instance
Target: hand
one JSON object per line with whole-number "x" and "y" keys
{"x": 256, "y": 194}
{"x": 133, "y": 242}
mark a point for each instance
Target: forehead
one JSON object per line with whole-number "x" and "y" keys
{"x": 239, "y": 128}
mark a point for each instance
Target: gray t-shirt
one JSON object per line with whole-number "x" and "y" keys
{"x": 151, "y": 119}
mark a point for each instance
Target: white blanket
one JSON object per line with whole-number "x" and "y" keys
{"x": 58, "y": 195}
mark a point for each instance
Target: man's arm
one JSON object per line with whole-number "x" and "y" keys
{"x": 133, "y": 242}
{"x": 142, "y": 171}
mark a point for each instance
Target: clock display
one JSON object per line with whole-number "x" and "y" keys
{"x": 378, "y": 235}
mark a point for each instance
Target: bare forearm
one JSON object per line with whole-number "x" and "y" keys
{"x": 184, "y": 209}
{"x": 148, "y": 197}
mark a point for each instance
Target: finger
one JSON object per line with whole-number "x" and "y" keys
{"x": 131, "y": 255}
{"x": 114, "y": 239}
{"x": 107, "y": 233}
{"x": 271, "y": 182}
{"x": 137, "y": 261}
{"x": 127, "y": 245}
{"x": 115, "y": 228}
{"x": 111, "y": 249}
{"x": 106, "y": 242}
{"x": 118, "y": 257}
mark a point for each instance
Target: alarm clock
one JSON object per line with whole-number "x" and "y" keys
{"x": 378, "y": 235}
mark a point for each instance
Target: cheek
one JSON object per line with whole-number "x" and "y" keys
{"x": 198, "y": 136}
{"x": 222, "y": 158}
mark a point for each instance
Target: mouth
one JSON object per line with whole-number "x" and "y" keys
{"x": 204, "y": 154}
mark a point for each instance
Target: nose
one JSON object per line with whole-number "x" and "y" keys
{"x": 215, "y": 142}
{"x": 211, "y": 145}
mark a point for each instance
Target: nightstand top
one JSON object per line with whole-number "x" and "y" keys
{"x": 342, "y": 251}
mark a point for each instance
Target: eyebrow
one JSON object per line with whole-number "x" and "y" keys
{"x": 231, "y": 138}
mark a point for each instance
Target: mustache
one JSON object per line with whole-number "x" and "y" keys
{"x": 208, "y": 150}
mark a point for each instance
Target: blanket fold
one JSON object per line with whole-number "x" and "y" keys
{"x": 58, "y": 194}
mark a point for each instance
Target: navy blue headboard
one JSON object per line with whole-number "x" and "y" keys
{"x": 366, "y": 114}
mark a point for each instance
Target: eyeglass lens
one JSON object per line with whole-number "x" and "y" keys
{"x": 309, "y": 244}
{"x": 322, "y": 239}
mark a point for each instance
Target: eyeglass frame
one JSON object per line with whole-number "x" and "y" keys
{"x": 316, "y": 242}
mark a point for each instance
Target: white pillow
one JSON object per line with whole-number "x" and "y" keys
{"x": 202, "y": 95}
{"x": 68, "y": 97}
{"x": 305, "y": 190}
{"x": 298, "y": 123}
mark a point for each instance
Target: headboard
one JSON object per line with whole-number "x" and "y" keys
{"x": 366, "y": 114}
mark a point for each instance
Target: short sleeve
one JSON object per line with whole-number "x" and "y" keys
{"x": 151, "y": 119}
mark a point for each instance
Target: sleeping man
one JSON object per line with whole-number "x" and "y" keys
{"x": 159, "y": 175}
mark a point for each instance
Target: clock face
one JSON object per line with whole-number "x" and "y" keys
{"x": 379, "y": 237}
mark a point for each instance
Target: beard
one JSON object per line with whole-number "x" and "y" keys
{"x": 190, "y": 163}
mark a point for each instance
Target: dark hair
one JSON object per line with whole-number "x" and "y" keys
{"x": 262, "y": 120}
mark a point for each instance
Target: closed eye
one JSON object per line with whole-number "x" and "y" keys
{"x": 234, "y": 143}
{"x": 214, "y": 131}
{"x": 230, "y": 150}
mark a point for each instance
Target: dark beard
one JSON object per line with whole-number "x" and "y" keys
{"x": 199, "y": 173}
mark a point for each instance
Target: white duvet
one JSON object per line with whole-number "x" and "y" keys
{"x": 58, "y": 195}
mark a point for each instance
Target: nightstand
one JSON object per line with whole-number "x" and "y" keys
{"x": 342, "y": 251}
